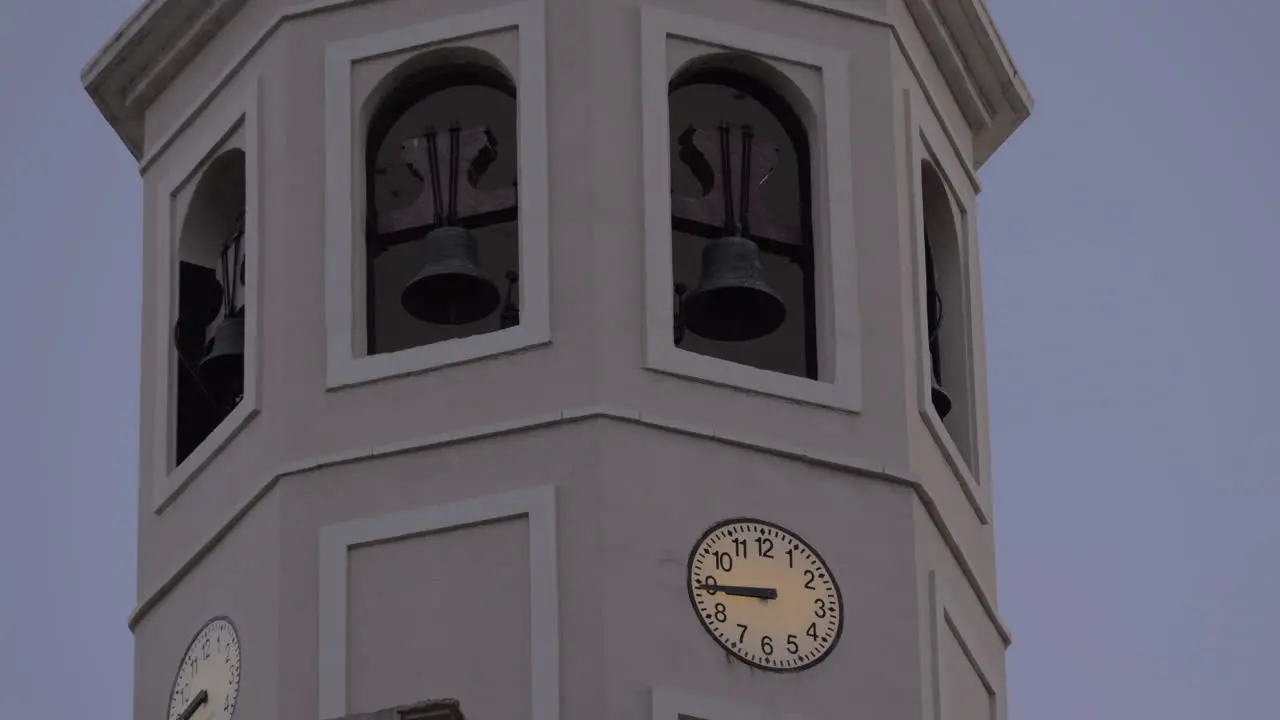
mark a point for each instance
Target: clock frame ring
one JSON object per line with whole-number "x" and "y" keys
{"x": 177, "y": 673}
{"x": 800, "y": 541}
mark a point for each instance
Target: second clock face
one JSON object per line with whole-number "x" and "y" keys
{"x": 208, "y": 680}
{"x": 765, "y": 595}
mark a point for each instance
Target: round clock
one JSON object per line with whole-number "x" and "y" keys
{"x": 765, "y": 595}
{"x": 208, "y": 679}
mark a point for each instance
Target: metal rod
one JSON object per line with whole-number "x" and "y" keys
{"x": 744, "y": 222}
{"x": 726, "y": 174}
{"x": 433, "y": 160}
{"x": 455, "y": 152}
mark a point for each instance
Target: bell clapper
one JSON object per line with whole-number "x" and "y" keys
{"x": 510, "y": 313}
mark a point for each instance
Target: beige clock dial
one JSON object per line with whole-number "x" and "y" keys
{"x": 208, "y": 679}
{"x": 765, "y": 595}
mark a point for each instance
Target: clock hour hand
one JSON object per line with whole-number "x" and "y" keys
{"x": 742, "y": 591}
{"x": 201, "y": 698}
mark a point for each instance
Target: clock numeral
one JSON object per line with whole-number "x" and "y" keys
{"x": 821, "y": 606}
{"x": 792, "y": 646}
{"x": 740, "y": 547}
{"x": 764, "y": 546}
{"x": 766, "y": 645}
{"x": 812, "y": 632}
{"x": 710, "y": 582}
{"x": 742, "y": 635}
{"x": 204, "y": 648}
{"x": 791, "y": 558}
{"x": 724, "y": 561}
{"x": 721, "y": 615}
{"x": 808, "y": 584}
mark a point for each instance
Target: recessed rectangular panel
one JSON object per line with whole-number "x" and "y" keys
{"x": 967, "y": 695}
{"x": 444, "y": 614}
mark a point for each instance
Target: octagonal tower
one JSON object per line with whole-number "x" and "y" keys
{"x": 465, "y": 321}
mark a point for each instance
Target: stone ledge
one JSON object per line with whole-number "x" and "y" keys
{"x": 435, "y": 709}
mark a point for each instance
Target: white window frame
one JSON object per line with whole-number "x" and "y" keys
{"x": 239, "y": 114}
{"x": 926, "y": 145}
{"x": 839, "y": 321}
{"x": 344, "y": 231}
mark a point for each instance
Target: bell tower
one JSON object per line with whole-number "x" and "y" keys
{"x": 563, "y": 359}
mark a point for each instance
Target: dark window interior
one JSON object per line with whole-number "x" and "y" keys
{"x": 212, "y": 222}
{"x": 199, "y": 293}
{"x": 779, "y": 215}
{"x": 945, "y": 311}
{"x": 469, "y": 98}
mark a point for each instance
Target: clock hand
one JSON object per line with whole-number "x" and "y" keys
{"x": 743, "y": 591}
{"x": 201, "y": 698}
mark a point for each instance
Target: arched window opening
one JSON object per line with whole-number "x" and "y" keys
{"x": 945, "y": 314}
{"x": 209, "y": 334}
{"x": 742, "y": 233}
{"x": 442, "y": 238}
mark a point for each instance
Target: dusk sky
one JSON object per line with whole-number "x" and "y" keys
{"x": 1130, "y": 252}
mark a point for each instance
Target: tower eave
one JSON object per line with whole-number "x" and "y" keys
{"x": 144, "y": 54}
{"x": 161, "y": 37}
{"x": 979, "y": 70}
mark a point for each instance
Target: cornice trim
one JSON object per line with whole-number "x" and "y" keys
{"x": 984, "y": 76}
{"x": 834, "y": 461}
{"x": 119, "y": 98}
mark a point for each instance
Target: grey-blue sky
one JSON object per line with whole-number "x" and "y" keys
{"x": 1129, "y": 234}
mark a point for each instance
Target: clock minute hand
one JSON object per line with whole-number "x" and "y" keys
{"x": 201, "y": 698}
{"x": 742, "y": 591}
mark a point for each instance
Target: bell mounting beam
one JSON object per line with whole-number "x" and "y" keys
{"x": 472, "y": 150}
{"x": 712, "y": 157}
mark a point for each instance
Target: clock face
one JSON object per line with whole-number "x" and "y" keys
{"x": 208, "y": 679}
{"x": 765, "y": 595}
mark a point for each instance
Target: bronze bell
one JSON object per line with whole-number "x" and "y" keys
{"x": 732, "y": 302}
{"x": 450, "y": 289}
{"x": 941, "y": 400}
{"x": 222, "y": 368}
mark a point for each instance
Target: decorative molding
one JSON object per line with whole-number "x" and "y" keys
{"x": 146, "y": 156}
{"x": 238, "y": 114}
{"x": 977, "y": 68}
{"x": 154, "y": 43}
{"x": 672, "y": 704}
{"x": 974, "y": 104}
{"x": 538, "y": 504}
{"x": 145, "y": 48}
{"x": 835, "y": 461}
{"x": 961, "y": 87}
{"x": 833, "y": 183}
{"x": 942, "y": 620}
{"x": 343, "y": 149}
{"x": 192, "y": 33}
{"x": 148, "y": 41}
{"x": 920, "y": 149}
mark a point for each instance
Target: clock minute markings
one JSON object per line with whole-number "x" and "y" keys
{"x": 201, "y": 698}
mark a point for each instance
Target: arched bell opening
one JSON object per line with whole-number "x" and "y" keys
{"x": 946, "y": 314}
{"x": 442, "y": 240}
{"x": 209, "y": 333}
{"x": 742, "y": 232}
